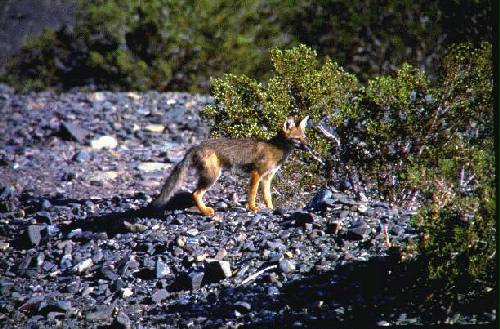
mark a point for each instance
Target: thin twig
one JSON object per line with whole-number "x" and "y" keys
{"x": 255, "y": 275}
{"x": 328, "y": 135}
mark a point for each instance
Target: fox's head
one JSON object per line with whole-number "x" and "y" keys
{"x": 295, "y": 133}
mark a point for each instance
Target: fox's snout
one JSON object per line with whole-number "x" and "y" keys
{"x": 301, "y": 144}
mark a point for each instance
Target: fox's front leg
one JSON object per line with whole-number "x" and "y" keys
{"x": 266, "y": 189}
{"x": 252, "y": 191}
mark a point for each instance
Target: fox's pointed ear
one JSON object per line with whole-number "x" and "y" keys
{"x": 302, "y": 124}
{"x": 289, "y": 123}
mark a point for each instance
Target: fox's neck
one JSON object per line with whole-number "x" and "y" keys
{"x": 283, "y": 143}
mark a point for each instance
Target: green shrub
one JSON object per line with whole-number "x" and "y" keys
{"x": 458, "y": 174}
{"x": 409, "y": 136}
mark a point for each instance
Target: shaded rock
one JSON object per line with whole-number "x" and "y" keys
{"x": 333, "y": 227}
{"x": 101, "y": 312}
{"x": 318, "y": 201}
{"x": 121, "y": 321}
{"x": 59, "y": 306}
{"x": 359, "y": 231}
{"x": 34, "y": 235}
{"x": 44, "y": 217}
{"x": 217, "y": 270}
{"x": 191, "y": 281}
{"x": 72, "y": 132}
{"x": 302, "y": 217}
{"x": 6, "y": 192}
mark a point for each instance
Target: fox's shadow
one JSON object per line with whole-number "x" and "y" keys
{"x": 120, "y": 221}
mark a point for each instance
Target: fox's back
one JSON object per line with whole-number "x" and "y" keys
{"x": 239, "y": 152}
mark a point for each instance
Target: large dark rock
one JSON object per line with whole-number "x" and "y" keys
{"x": 33, "y": 236}
{"x": 72, "y": 132}
{"x": 358, "y": 231}
{"x": 302, "y": 217}
{"x": 217, "y": 270}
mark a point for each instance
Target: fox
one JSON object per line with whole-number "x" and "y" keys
{"x": 262, "y": 159}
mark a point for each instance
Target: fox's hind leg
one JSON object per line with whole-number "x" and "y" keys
{"x": 208, "y": 171}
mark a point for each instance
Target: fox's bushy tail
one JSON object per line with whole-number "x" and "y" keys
{"x": 173, "y": 182}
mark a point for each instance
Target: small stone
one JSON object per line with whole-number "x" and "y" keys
{"x": 84, "y": 265}
{"x": 6, "y": 192}
{"x": 195, "y": 280}
{"x": 126, "y": 292}
{"x": 162, "y": 269}
{"x": 287, "y": 266}
{"x": 104, "y": 142}
{"x": 155, "y": 128}
{"x": 103, "y": 176}
{"x": 159, "y": 295}
{"x": 135, "y": 228}
{"x": 4, "y": 246}
{"x": 362, "y": 208}
{"x": 318, "y": 201}
{"x": 64, "y": 305}
{"x": 81, "y": 156}
{"x": 221, "y": 253}
{"x": 153, "y": 166}
{"x": 242, "y": 307}
{"x": 383, "y": 323}
{"x": 181, "y": 241}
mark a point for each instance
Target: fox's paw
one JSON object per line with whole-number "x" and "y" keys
{"x": 253, "y": 208}
{"x": 208, "y": 211}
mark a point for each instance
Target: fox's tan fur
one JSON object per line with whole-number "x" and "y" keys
{"x": 261, "y": 158}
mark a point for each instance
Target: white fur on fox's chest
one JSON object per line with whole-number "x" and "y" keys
{"x": 271, "y": 172}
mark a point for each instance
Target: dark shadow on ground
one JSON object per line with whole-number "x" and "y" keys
{"x": 356, "y": 295}
{"x": 123, "y": 221}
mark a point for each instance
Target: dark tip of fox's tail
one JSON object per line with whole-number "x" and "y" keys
{"x": 173, "y": 183}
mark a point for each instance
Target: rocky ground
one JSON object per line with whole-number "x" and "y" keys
{"x": 77, "y": 248}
